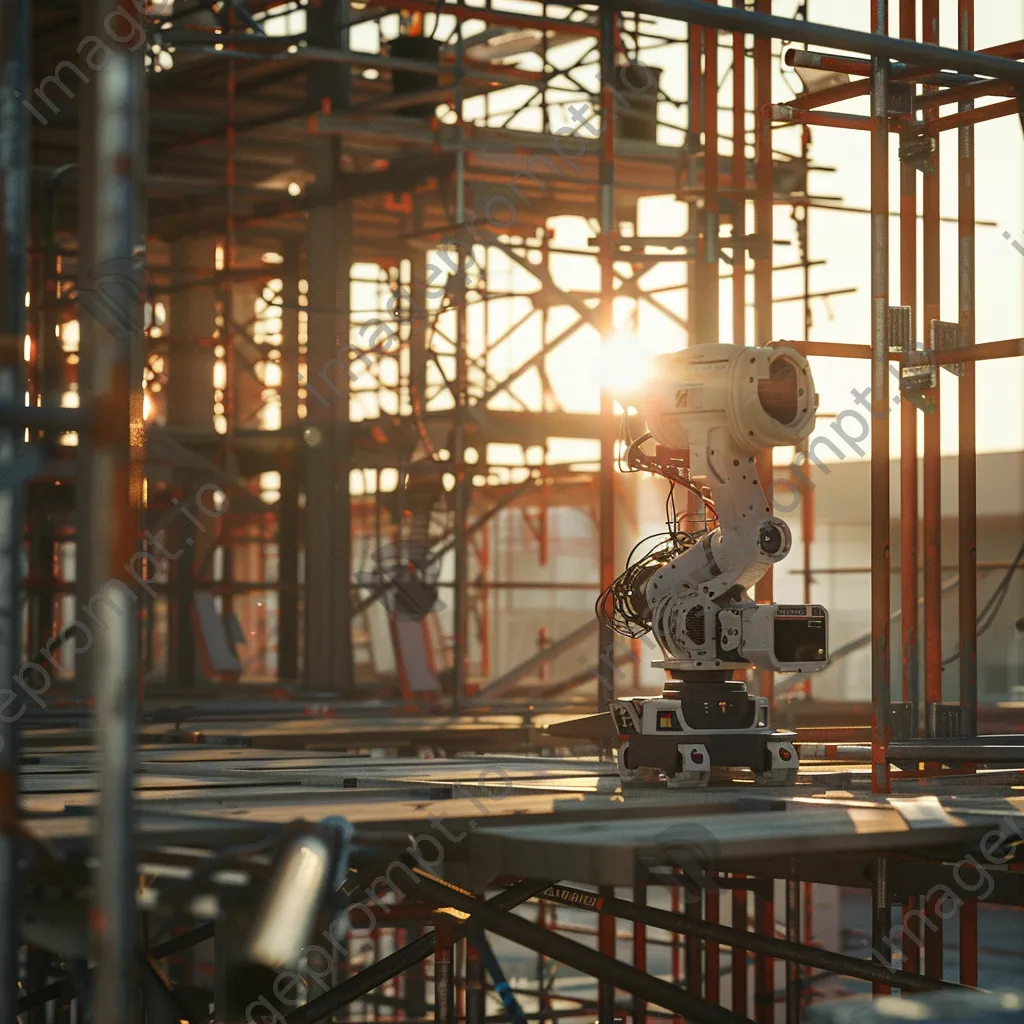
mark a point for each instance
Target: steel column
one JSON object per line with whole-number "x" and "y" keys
{"x": 881, "y": 919}
{"x": 793, "y": 972}
{"x": 739, "y": 955}
{"x": 639, "y": 952}
{"x": 932, "y": 457}
{"x": 288, "y": 509}
{"x": 969, "y": 943}
{"x": 111, "y": 240}
{"x": 15, "y": 50}
{"x": 908, "y": 412}
{"x": 764, "y": 228}
{"x": 606, "y": 946}
{"x": 444, "y": 941}
{"x": 606, "y": 321}
{"x": 968, "y": 461}
{"x": 764, "y": 964}
{"x": 328, "y": 517}
{"x": 911, "y": 943}
{"x": 739, "y": 184}
{"x": 880, "y": 555}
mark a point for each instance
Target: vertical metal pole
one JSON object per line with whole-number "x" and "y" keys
{"x": 609, "y": 431}
{"x": 444, "y": 941}
{"x": 908, "y": 411}
{"x": 692, "y": 945}
{"x": 739, "y": 184}
{"x": 606, "y": 945}
{"x": 328, "y": 516}
{"x": 676, "y": 964}
{"x": 931, "y": 494}
{"x": 764, "y": 966}
{"x": 881, "y": 918}
{"x": 288, "y": 514}
{"x": 764, "y": 589}
{"x": 15, "y": 49}
{"x": 475, "y": 984}
{"x": 462, "y": 481}
{"x": 933, "y": 943}
{"x": 705, "y": 326}
{"x": 793, "y": 971}
{"x": 111, "y": 236}
{"x": 639, "y": 952}
{"x": 911, "y": 935}
{"x": 712, "y": 951}
{"x": 968, "y": 461}
{"x": 969, "y": 943}
{"x": 880, "y": 556}
{"x": 739, "y": 956}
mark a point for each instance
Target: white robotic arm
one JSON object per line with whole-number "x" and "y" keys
{"x": 724, "y": 405}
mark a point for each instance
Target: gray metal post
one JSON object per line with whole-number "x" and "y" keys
{"x": 111, "y": 237}
{"x": 328, "y": 625}
{"x": 14, "y": 172}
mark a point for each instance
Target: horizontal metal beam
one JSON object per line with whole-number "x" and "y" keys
{"x": 573, "y": 954}
{"x": 780, "y": 949}
{"x": 403, "y": 959}
{"x": 731, "y": 19}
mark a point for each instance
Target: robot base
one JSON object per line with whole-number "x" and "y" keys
{"x": 686, "y": 759}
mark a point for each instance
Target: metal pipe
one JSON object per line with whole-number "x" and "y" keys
{"x": 881, "y": 920}
{"x": 967, "y": 425}
{"x": 739, "y": 184}
{"x": 880, "y": 556}
{"x": 15, "y": 52}
{"x": 609, "y": 427}
{"x": 739, "y": 953}
{"x": 911, "y": 943}
{"x": 793, "y": 974}
{"x": 933, "y": 944}
{"x": 764, "y": 962}
{"x": 606, "y": 946}
{"x": 444, "y": 940}
{"x": 931, "y": 494}
{"x": 969, "y": 943}
{"x": 640, "y": 953}
{"x": 908, "y": 411}
{"x": 764, "y": 226}
{"x": 111, "y": 234}
{"x": 763, "y": 25}
{"x": 463, "y": 481}
{"x": 712, "y": 952}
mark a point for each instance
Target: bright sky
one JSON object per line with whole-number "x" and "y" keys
{"x": 839, "y": 238}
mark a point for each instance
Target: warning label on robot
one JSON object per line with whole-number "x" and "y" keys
{"x": 690, "y": 396}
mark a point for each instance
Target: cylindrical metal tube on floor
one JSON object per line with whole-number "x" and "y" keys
{"x": 967, "y": 464}
{"x": 880, "y": 556}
